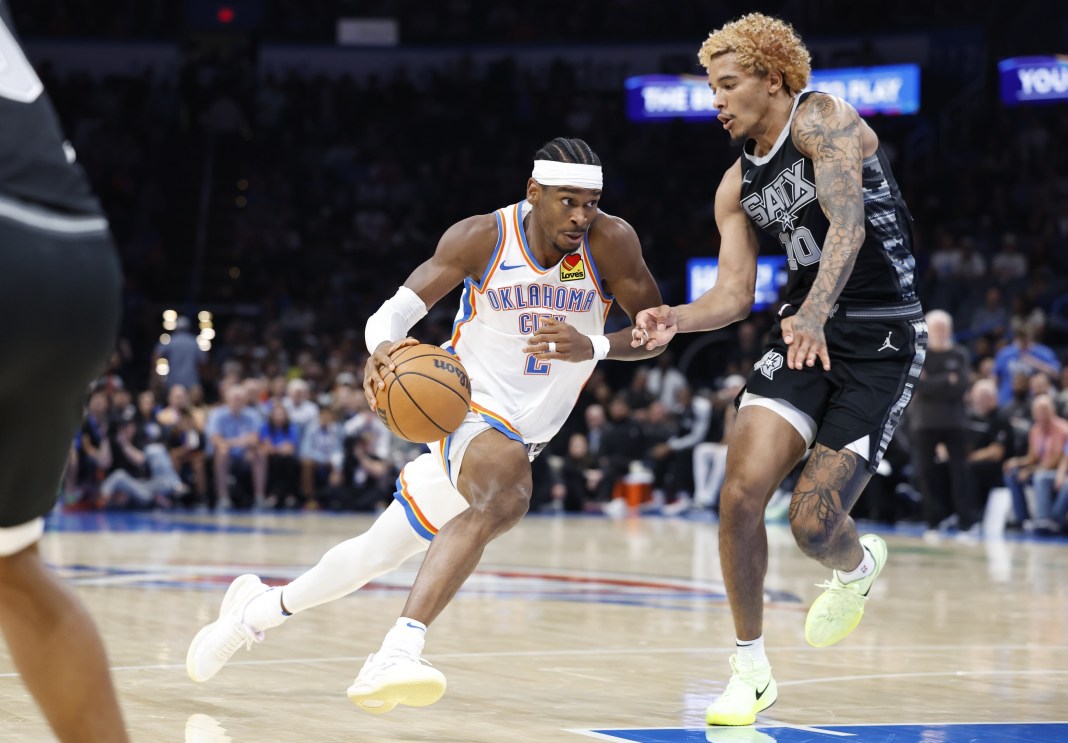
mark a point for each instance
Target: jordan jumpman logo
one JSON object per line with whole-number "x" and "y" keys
{"x": 887, "y": 344}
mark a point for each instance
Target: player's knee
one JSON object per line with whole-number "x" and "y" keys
{"x": 815, "y": 538}
{"x": 503, "y": 509}
{"x": 740, "y": 504}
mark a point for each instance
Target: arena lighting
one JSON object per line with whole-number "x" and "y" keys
{"x": 207, "y": 333}
{"x": 163, "y": 368}
{"x": 170, "y": 325}
{"x": 203, "y": 343}
{"x": 170, "y": 315}
{"x": 1030, "y": 80}
{"x": 886, "y": 89}
{"x": 165, "y": 338}
{"x": 204, "y": 316}
{"x": 225, "y": 14}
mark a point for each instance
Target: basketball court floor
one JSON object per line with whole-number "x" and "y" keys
{"x": 573, "y": 628}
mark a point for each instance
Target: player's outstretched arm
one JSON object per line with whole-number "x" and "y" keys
{"x": 731, "y": 299}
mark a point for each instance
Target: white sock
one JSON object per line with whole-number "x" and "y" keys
{"x": 863, "y": 570}
{"x": 752, "y": 650}
{"x": 265, "y": 611}
{"x": 408, "y": 635}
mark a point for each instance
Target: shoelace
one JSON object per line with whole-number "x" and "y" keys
{"x": 239, "y": 635}
{"x": 841, "y": 590}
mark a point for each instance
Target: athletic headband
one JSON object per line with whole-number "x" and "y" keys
{"x": 552, "y": 173}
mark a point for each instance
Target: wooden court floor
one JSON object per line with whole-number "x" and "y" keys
{"x": 572, "y": 628}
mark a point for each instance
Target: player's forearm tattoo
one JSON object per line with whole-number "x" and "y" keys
{"x": 830, "y": 134}
{"x": 825, "y": 491}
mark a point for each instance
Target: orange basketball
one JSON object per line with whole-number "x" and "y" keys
{"x": 428, "y": 395}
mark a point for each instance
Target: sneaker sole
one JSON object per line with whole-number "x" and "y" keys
{"x": 233, "y": 594}
{"x": 728, "y": 720}
{"x": 877, "y": 547}
{"x": 414, "y": 693}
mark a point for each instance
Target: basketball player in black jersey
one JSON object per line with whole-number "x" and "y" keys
{"x": 59, "y": 297}
{"x": 840, "y": 365}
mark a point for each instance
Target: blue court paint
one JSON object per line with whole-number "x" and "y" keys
{"x": 964, "y": 732}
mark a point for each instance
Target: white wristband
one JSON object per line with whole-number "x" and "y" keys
{"x": 601, "y": 346}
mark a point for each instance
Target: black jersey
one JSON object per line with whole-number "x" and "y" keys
{"x": 779, "y": 195}
{"x": 36, "y": 162}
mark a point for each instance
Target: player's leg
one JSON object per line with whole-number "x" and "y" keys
{"x": 495, "y": 479}
{"x": 46, "y": 280}
{"x": 249, "y": 607}
{"x": 860, "y": 421}
{"x": 764, "y": 447}
{"x": 57, "y": 651}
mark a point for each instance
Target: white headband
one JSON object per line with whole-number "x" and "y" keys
{"x": 552, "y": 173}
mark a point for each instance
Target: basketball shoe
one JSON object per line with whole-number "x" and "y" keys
{"x": 750, "y": 690}
{"x": 396, "y": 676}
{"x": 837, "y": 611}
{"x": 218, "y": 641}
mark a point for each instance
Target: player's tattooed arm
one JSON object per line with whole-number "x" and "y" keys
{"x": 828, "y": 130}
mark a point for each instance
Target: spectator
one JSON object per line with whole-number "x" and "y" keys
{"x": 580, "y": 479}
{"x": 710, "y": 457}
{"x": 233, "y": 436}
{"x": 939, "y": 427}
{"x": 302, "y": 411}
{"x": 991, "y": 441}
{"x": 321, "y": 456}
{"x": 1025, "y": 355}
{"x": 693, "y": 423}
{"x": 279, "y": 443}
{"x": 1045, "y": 447}
{"x": 183, "y": 355}
{"x": 665, "y": 381}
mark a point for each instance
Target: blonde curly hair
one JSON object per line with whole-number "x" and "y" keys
{"x": 761, "y": 43}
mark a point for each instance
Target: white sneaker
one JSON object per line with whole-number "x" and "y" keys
{"x": 393, "y": 677}
{"x": 750, "y": 690}
{"x": 218, "y": 641}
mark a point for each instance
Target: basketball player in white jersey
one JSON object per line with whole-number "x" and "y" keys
{"x": 539, "y": 278}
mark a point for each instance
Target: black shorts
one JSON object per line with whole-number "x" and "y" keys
{"x": 876, "y": 358}
{"x": 60, "y": 299}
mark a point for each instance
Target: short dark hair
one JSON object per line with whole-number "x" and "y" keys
{"x": 564, "y": 150}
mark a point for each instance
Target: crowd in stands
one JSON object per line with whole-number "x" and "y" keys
{"x": 337, "y": 205}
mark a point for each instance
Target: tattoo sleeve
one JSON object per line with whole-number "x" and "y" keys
{"x": 829, "y": 132}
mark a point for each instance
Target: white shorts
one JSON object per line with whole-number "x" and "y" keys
{"x": 426, "y": 486}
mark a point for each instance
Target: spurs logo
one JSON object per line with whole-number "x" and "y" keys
{"x": 771, "y": 363}
{"x": 887, "y": 344}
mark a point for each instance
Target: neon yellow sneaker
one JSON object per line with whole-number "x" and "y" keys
{"x": 837, "y": 611}
{"x": 750, "y": 690}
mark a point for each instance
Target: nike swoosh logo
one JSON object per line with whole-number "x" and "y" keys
{"x": 760, "y": 693}
{"x": 416, "y": 626}
{"x": 505, "y": 267}
{"x": 747, "y": 180}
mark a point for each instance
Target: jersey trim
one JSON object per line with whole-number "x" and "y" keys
{"x": 498, "y": 422}
{"x": 527, "y": 255}
{"x": 587, "y": 254}
{"x": 778, "y": 142}
{"x": 502, "y": 233}
{"x": 416, "y": 518}
{"x": 49, "y": 221}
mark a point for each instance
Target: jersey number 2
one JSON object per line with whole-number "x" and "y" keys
{"x": 536, "y": 366}
{"x": 18, "y": 81}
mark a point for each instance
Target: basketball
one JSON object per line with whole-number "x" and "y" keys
{"x": 428, "y": 395}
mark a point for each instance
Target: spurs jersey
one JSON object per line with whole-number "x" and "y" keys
{"x": 517, "y": 392}
{"x": 36, "y": 162}
{"x": 779, "y": 195}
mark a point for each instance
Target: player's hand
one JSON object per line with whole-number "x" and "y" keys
{"x": 378, "y": 364}
{"x": 568, "y": 343}
{"x": 803, "y": 334}
{"x": 654, "y": 327}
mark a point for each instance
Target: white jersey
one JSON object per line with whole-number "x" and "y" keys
{"x": 517, "y": 392}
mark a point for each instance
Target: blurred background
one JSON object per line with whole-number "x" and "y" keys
{"x": 273, "y": 169}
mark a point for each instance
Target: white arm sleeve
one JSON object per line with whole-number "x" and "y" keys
{"x": 394, "y": 318}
